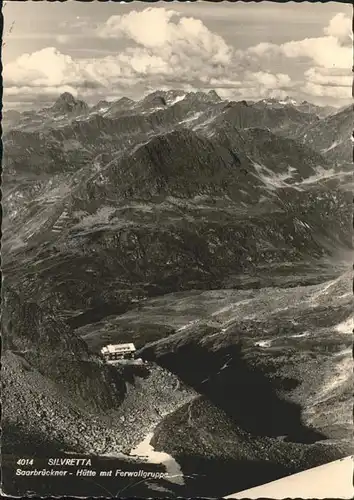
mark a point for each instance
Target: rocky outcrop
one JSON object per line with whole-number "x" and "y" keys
{"x": 275, "y": 384}
{"x": 66, "y": 103}
{"x": 56, "y": 389}
{"x": 206, "y": 440}
{"x": 279, "y": 355}
{"x": 282, "y": 120}
{"x": 332, "y": 135}
{"x": 48, "y": 344}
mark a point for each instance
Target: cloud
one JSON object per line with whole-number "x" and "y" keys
{"x": 326, "y": 51}
{"x": 331, "y": 91}
{"x": 340, "y": 27}
{"x": 168, "y": 34}
{"x": 46, "y": 67}
{"x": 164, "y": 47}
{"x": 332, "y": 50}
{"x": 63, "y": 39}
{"x": 329, "y": 77}
{"x": 161, "y": 48}
{"x": 80, "y": 22}
{"x": 271, "y": 81}
{"x": 137, "y": 26}
{"x": 255, "y": 85}
{"x": 47, "y": 91}
{"x": 331, "y": 57}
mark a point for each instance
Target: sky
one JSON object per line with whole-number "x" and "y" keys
{"x": 106, "y": 50}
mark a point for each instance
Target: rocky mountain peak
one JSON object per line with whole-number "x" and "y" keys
{"x": 214, "y": 95}
{"x": 101, "y": 104}
{"x": 67, "y": 103}
{"x": 66, "y": 98}
{"x": 125, "y": 100}
{"x": 155, "y": 99}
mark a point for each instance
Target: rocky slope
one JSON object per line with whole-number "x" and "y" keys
{"x": 244, "y": 341}
{"x": 251, "y": 354}
{"x": 207, "y": 440}
{"x": 40, "y": 413}
{"x": 332, "y": 136}
{"x": 54, "y": 388}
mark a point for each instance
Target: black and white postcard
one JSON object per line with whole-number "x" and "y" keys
{"x": 177, "y": 304}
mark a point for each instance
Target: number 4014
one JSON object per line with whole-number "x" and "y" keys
{"x": 25, "y": 461}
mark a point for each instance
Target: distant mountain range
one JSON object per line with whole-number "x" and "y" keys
{"x": 175, "y": 155}
{"x": 303, "y": 106}
{"x": 315, "y": 126}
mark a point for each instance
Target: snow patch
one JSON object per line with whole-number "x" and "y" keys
{"x": 288, "y": 101}
{"x": 102, "y": 110}
{"x": 341, "y": 375}
{"x": 299, "y": 335}
{"x": 263, "y": 343}
{"x": 185, "y": 327}
{"x": 272, "y": 180}
{"x": 192, "y": 118}
{"x": 332, "y": 146}
{"x": 102, "y": 216}
{"x": 147, "y": 451}
{"x": 177, "y": 99}
{"x": 321, "y": 174}
{"x": 57, "y": 118}
{"x": 346, "y": 326}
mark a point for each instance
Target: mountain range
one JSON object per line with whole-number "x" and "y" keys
{"x": 208, "y": 232}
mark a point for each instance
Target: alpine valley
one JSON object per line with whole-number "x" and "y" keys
{"x": 213, "y": 234}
